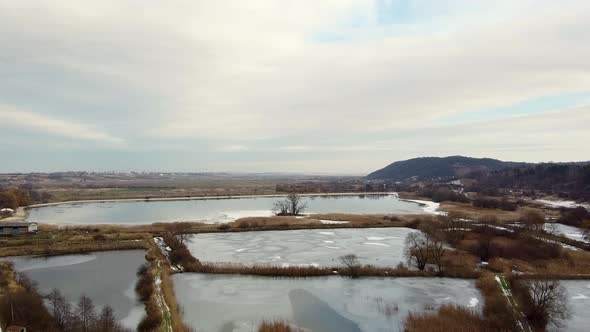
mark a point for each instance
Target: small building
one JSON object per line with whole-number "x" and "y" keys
{"x": 16, "y": 228}
{"x": 15, "y": 328}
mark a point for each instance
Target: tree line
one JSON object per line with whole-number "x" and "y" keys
{"x": 82, "y": 317}
{"x": 567, "y": 180}
{"x": 22, "y": 304}
{"x": 24, "y": 195}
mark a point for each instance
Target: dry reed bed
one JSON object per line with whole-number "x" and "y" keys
{"x": 66, "y": 248}
{"x": 269, "y": 270}
{"x": 277, "y": 326}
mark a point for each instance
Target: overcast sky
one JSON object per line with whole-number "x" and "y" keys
{"x": 331, "y": 86}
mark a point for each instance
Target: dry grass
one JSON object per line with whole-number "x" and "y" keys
{"x": 65, "y": 248}
{"x": 460, "y": 264}
{"x": 572, "y": 265}
{"x": 446, "y": 318}
{"x": 277, "y": 326}
{"x": 255, "y": 222}
{"x": 475, "y": 213}
{"x": 354, "y": 218}
{"x": 310, "y": 271}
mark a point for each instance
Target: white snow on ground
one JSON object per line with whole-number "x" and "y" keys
{"x": 473, "y": 302}
{"x": 333, "y": 222}
{"x": 376, "y": 244}
{"x": 300, "y": 265}
{"x": 428, "y": 206}
{"x": 244, "y": 249}
{"x": 496, "y": 227}
{"x": 570, "y": 232}
{"x": 329, "y": 247}
{"x": 563, "y": 245}
{"x": 326, "y": 233}
{"x": 235, "y": 215}
{"x": 579, "y": 297}
{"x": 562, "y": 203}
{"x": 328, "y": 241}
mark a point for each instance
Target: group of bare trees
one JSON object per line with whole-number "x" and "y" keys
{"x": 292, "y": 205}
{"x": 81, "y": 317}
{"x": 423, "y": 248}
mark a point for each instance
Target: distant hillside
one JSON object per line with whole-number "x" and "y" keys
{"x": 434, "y": 167}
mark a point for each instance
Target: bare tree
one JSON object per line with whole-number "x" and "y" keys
{"x": 106, "y": 321}
{"x": 85, "y": 313}
{"x": 60, "y": 309}
{"x": 436, "y": 251}
{"x": 548, "y": 303}
{"x": 352, "y": 264}
{"x": 417, "y": 249}
{"x": 181, "y": 231}
{"x": 292, "y": 205}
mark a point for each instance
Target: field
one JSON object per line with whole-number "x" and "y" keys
{"x": 95, "y": 186}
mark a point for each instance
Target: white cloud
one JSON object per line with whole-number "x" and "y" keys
{"x": 12, "y": 118}
{"x": 261, "y": 76}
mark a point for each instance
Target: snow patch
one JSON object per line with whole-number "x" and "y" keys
{"x": 326, "y": 233}
{"x": 333, "y": 222}
{"x": 579, "y": 297}
{"x": 428, "y": 206}
{"x": 235, "y": 215}
{"x": 473, "y": 302}
{"x": 562, "y": 203}
{"x": 376, "y": 244}
{"x": 379, "y": 238}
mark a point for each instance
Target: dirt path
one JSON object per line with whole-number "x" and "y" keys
{"x": 520, "y": 318}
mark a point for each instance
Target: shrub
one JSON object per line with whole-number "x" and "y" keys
{"x": 223, "y": 227}
{"x": 145, "y": 283}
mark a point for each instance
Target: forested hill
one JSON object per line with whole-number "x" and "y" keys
{"x": 427, "y": 168}
{"x": 569, "y": 180}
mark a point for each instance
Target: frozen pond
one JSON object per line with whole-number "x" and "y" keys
{"x": 108, "y": 278}
{"x": 376, "y": 246}
{"x": 570, "y": 232}
{"x": 210, "y": 210}
{"x": 216, "y": 303}
{"x": 579, "y": 300}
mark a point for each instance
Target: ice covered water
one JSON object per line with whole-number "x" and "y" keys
{"x": 238, "y": 303}
{"x": 578, "y": 293}
{"x": 375, "y": 246}
{"x": 210, "y": 210}
{"x": 108, "y": 278}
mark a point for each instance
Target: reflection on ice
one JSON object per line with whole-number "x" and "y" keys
{"x": 238, "y": 303}
{"x": 108, "y": 278}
